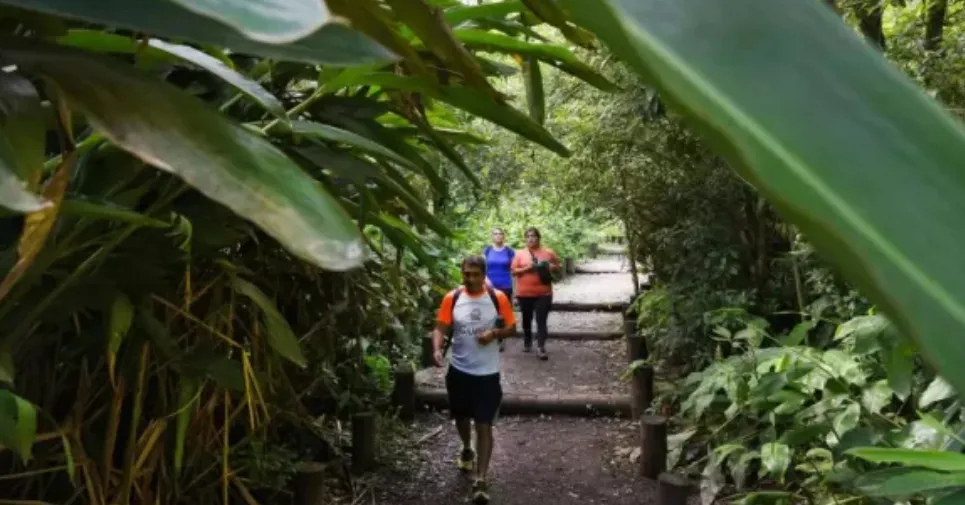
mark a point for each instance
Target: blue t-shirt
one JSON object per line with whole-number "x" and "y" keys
{"x": 497, "y": 266}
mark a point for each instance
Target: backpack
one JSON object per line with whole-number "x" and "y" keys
{"x": 545, "y": 276}
{"x": 455, "y": 298}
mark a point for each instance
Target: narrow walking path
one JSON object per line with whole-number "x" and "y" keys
{"x": 538, "y": 459}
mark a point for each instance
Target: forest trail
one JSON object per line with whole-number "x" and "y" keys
{"x": 540, "y": 458}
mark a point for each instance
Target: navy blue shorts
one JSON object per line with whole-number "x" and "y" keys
{"x": 473, "y": 396}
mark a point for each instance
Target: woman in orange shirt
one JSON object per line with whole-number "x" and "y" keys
{"x": 533, "y": 269}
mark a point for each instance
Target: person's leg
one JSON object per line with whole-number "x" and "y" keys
{"x": 527, "y": 306}
{"x": 461, "y": 411}
{"x": 489, "y": 395}
{"x": 542, "y": 309}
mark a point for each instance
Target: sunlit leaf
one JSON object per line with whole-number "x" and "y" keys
{"x": 270, "y": 21}
{"x": 179, "y": 134}
{"x": 497, "y": 10}
{"x": 868, "y": 168}
{"x": 18, "y": 424}
{"x": 775, "y": 459}
{"x": 936, "y": 391}
{"x": 22, "y": 138}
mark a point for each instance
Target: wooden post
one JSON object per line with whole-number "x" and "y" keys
{"x": 641, "y": 388}
{"x": 593, "y": 250}
{"x": 427, "y": 351}
{"x": 673, "y": 489}
{"x": 403, "y": 392}
{"x": 653, "y": 447}
{"x": 363, "y": 442}
{"x": 569, "y": 266}
{"x": 309, "y": 484}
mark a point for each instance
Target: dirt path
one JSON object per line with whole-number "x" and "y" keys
{"x": 538, "y": 460}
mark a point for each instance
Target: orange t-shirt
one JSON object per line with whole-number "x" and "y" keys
{"x": 528, "y": 284}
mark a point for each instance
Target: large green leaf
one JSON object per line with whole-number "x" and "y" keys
{"x": 218, "y": 68}
{"x": 855, "y": 154}
{"x": 339, "y": 135}
{"x": 332, "y": 44}
{"x": 905, "y": 482}
{"x": 279, "y": 335}
{"x": 935, "y": 460}
{"x": 535, "y": 98}
{"x": 179, "y": 134}
{"x": 271, "y": 21}
{"x": 22, "y": 137}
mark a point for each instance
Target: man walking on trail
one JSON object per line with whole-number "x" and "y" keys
{"x": 478, "y": 315}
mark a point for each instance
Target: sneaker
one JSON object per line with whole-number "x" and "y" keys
{"x": 480, "y": 492}
{"x": 527, "y": 348}
{"x": 466, "y": 459}
{"x": 542, "y": 355}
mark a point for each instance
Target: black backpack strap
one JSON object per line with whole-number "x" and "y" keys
{"x": 455, "y": 298}
{"x": 493, "y": 297}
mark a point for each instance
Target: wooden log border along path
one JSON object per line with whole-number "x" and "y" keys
{"x": 530, "y": 404}
{"x": 590, "y": 307}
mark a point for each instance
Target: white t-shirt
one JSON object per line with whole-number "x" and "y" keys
{"x": 472, "y": 315}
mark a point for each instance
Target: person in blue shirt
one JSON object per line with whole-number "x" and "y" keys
{"x": 498, "y": 257}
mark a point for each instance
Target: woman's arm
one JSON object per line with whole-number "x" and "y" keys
{"x": 517, "y": 269}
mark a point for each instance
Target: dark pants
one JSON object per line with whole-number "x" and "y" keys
{"x": 475, "y": 397}
{"x": 540, "y": 307}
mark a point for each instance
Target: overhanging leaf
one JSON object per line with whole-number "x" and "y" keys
{"x": 335, "y": 134}
{"x": 218, "y": 68}
{"x": 22, "y": 138}
{"x": 270, "y": 21}
{"x": 535, "y": 98}
{"x": 868, "y": 168}
{"x": 179, "y": 134}
{"x": 332, "y": 44}
{"x": 279, "y": 335}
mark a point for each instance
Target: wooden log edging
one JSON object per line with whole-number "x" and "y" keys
{"x": 578, "y": 335}
{"x": 363, "y": 442}
{"x": 591, "y": 271}
{"x": 641, "y": 395}
{"x": 653, "y": 447}
{"x": 403, "y": 392}
{"x": 589, "y": 307}
{"x": 529, "y": 404}
{"x": 673, "y": 489}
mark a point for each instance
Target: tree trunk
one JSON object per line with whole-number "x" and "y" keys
{"x": 869, "y": 14}
{"x": 935, "y": 25}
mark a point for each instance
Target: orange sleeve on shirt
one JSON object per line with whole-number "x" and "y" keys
{"x": 506, "y": 309}
{"x": 553, "y": 257}
{"x": 445, "y": 309}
